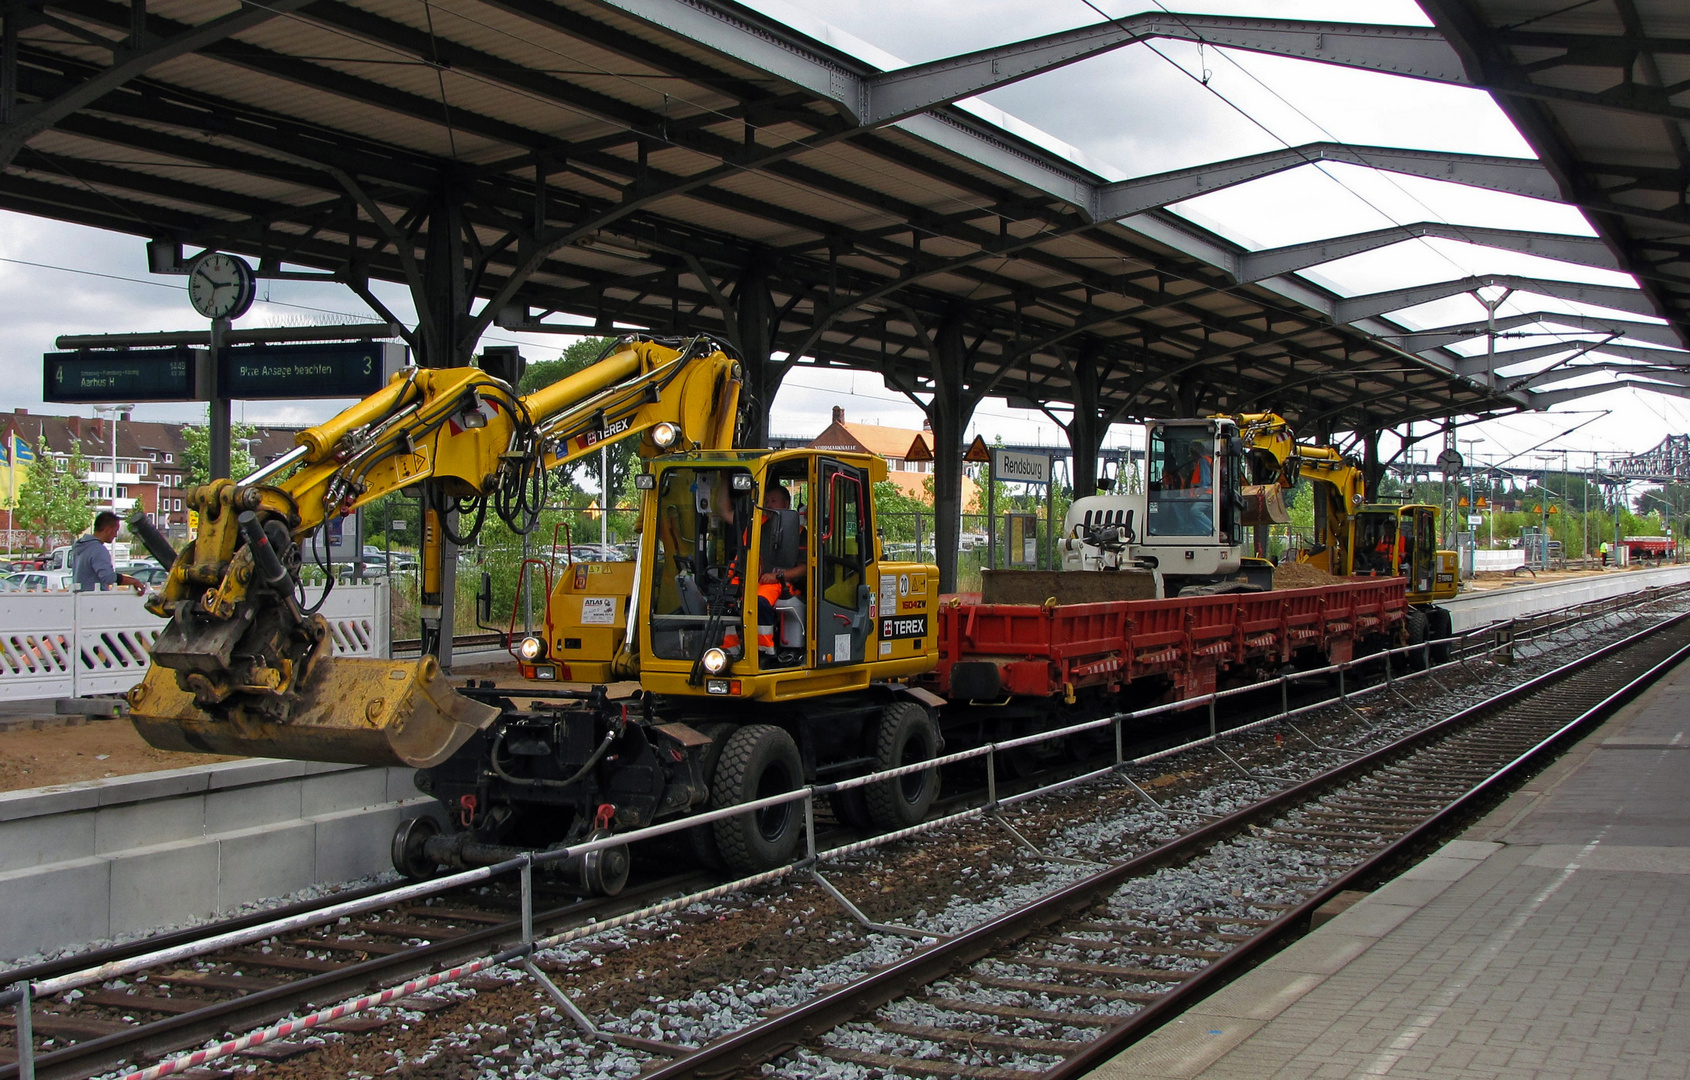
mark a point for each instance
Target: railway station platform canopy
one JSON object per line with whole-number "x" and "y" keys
{"x": 695, "y": 166}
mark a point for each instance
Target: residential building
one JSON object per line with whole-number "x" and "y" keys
{"x": 908, "y": 453}
{"x": 151, "y": 460}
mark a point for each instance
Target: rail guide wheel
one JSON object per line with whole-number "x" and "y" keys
{"x": 410, "y": 840}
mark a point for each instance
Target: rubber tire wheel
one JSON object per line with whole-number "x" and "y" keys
{"x": 907, "y": 735}
{"x": 1440, "y": 627}
{"x": 758, "y": 760}
{"x": 851, "y": 808}
{"x": 702, "y": 838}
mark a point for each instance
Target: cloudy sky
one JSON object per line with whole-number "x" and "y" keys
{"x": 1136, "y": 111}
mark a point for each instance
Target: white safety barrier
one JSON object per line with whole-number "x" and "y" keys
{"x": 61, "y": 645}
{"x": 1504, "y": 560}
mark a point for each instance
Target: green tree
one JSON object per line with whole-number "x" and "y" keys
{"x": 624, "y": 454}
{"x": 196, "y": 453}
{"x": 56, "y": 502}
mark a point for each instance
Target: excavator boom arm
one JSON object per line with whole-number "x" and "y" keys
{"x": 243, "y": 667}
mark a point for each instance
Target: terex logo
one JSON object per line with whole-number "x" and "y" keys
{"x": 593, "y": 438}
{"x": 905, "y": 627}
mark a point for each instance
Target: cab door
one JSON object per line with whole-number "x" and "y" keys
{"x": 1424, "y": 552}
{"x": 843, "y": 554}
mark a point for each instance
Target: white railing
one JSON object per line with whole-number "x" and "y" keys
{"x": 61, "y": 645}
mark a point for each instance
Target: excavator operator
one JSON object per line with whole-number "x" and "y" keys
{"x": 1199, "y": 487}
{"x": 1381, "y": 554}
{"x": 781, "y": 564}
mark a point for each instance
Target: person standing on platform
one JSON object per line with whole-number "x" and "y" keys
{"x": 90, "y": 559}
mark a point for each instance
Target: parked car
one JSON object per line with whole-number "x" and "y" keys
{"x": 596, "y": 553}
{"x": 45, "y": 580}
{"x": 151, "y": 575}
{"x": 9, "y": 582}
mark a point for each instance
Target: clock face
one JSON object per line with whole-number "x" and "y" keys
{"x": 220, "y": 286}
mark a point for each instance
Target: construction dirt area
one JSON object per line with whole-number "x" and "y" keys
{"x": 91, "y": 750}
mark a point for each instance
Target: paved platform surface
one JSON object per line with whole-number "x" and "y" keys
{"x": 1551, "y": 941}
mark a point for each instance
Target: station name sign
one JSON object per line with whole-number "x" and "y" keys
{"x": 1020, "y": 468}
{"x": 353, "y": 369}
{"x": 106, "y": 375}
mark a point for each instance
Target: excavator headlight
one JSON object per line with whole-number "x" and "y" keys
{"x": 531, "y": 648}
{"x": 715, "y": 661}
{"x": 665, "y": 434}
{"x": 645, "y": 482}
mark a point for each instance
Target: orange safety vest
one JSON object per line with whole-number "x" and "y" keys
{"x": 771, "y": 593}
{"x": 1197, "y": 471}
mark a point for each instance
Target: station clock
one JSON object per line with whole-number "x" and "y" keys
{"x": 221, "y": 286}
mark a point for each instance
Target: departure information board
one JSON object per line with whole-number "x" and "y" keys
{"x": 120, "y": 375}
{"x": 354, "y": 369}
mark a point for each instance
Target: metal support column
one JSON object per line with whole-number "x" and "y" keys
{"x": 221, "y": 420}
{"x": 950, "y": 411}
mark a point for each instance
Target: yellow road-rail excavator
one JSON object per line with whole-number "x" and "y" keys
{"x": 758, "y": 619}
{"x": 1255, "y": 459}
{"x": 1352, "y": 537}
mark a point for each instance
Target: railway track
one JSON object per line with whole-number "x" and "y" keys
{"x": 180, "y": 1004}
{"x": 164, "y": 1010}
{"x": 1057, "y": 986}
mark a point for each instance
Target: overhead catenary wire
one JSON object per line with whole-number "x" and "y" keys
{"x": 1207, "y": 84}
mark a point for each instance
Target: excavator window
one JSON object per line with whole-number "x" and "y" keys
{"x": 842, "y": 539}
{"x": 1376, "y": 544}
{"x": 1182, "y": 472}
{"x": 1424, "y": 549}
{"x": 698, "y": 566}
{"x": 843, "y": 591}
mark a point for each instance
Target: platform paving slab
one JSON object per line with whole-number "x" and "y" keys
{"x": 1551, "y": 941}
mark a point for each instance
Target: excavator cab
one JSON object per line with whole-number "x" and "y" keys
{"x": 1402, "y": 541}
{"x": 760, "y": 575}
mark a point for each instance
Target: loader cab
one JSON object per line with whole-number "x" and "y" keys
{"x": 1192, "y": 498}
{"x": 762, "y": 577}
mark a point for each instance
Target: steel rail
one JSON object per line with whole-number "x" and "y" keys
{"x": 766, "y": 1039}
{"x": 109, "y": 954}
{"x": 176, "y": 1032}
{"x": 1221, "y": 971}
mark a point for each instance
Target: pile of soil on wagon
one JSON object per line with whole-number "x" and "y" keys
{"x": 1295, "y": 575}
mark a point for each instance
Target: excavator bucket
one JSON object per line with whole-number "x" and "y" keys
{"x": 356, "y": 710}
{"x": 1264, "y": 504}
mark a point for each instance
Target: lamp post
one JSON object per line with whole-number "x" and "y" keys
{"x": 114, "y": 412}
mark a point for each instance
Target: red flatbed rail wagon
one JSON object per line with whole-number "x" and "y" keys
{"x": 1183, "y": 647}
{"x": 1649, "y": 548}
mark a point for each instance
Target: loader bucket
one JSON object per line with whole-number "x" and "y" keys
{"x": 355, "y": 710}
{"x": 1264, "y": 504}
